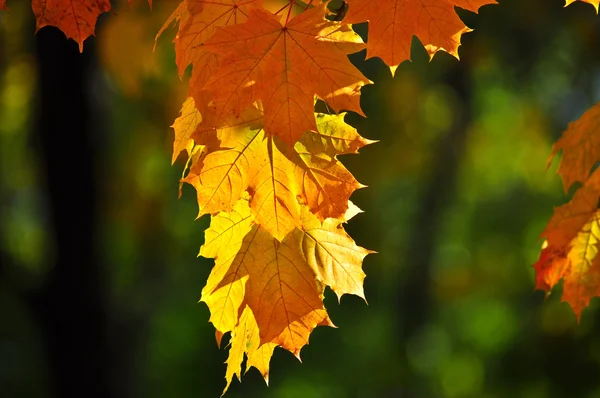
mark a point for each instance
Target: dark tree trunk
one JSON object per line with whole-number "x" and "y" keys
{"x": 71, "y": 306}
{"x": 414, "y": 294}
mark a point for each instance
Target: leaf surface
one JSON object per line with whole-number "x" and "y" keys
{"x": 198, "y": 21}
{"x": 245, "y": 339}
{"x": 285, "y": 66}
{"x": 580, "y": 146}
{"x": 571, "y": 247}
{"x": 185, "y": 126}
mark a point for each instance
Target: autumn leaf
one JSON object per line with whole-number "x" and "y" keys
{"x": 578, "y": 265}
{"x": 393, "y": 23}
{"x": 225, "y": 289}
{"x": 332, "y": 255}
{"x": 582, "y": 275}
{"x": 571, "y": 247}
{"x": 76, "y": 18}
{"x": 568, "y": 219}
{"x": 198, "y": 21}
{"x": 580, "y": 146}
{"x": 595, "y": 3}
{"x": 245, "y": 340}
{"x": 185, "y": 126}
{"x": 334, "y": 136}
{"x": 278, "y": 179}
{"x": 284, "y": 65}
{"x": 271, "y": 276}
{"x": 3, "y": 5}
{"x": 268, "y": 292}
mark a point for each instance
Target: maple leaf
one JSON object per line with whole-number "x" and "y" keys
{"x": 268, "y": 292}
{"x": 578, "y": 265}
{"x": 393, "y": 23}
{"x": 271, "y": 276}
{"x": 571, "y": 247}
{"x": 279, "y": 179}
{"x": 285, "y": 66}
{"x": 198, "y": 21}
{"x": 568, "y": 219}
{"x": 245, "y": 339}
{"x": 185, "y": 126}
{"x": 76, "y": 18}
{"x": 595, "y": 3}
{"x": 582, "y": 274}
{"x": 331, "y": 253}
{"x": 580, "y": 146}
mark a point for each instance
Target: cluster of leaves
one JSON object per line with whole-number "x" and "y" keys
{"x": 572, "y": 236}
{"x": 265, "y": 165}
{"x": 573, "y": 233}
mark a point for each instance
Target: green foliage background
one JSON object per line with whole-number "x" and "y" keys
{"x": 458, "y": 195}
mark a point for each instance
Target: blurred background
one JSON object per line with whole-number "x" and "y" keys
{"x": 99, "y": 279}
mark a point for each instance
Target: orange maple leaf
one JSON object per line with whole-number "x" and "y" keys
{"x": 284, "y": 65}
{"x": 571, "y": 247}
{"x": 393, "y": 23}
{"x": 568, "y": 219}
{"x": 595, "y": 3}
{"x": 76, "y": 18}
{"x": 580, "y": 146}
{"x": 198, "y": 21}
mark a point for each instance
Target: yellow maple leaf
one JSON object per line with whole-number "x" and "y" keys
{"x": 185, "y": 126}
{"x": 582, "y": 275}
{"x": 245, "y": 339}
{"x": 272, "y": 277}
{"x": 225, "y": 289}
{"x": 332, "y": 254}
{"x": 279, "y": 179}
{"x": 268, "y": 292}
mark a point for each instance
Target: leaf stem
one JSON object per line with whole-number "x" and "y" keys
{"x": 287, "y": 19}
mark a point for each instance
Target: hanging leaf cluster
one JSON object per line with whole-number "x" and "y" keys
{"x": 265, "y": 165}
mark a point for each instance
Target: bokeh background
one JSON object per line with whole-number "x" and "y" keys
{"x": 99, "y": 279}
